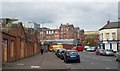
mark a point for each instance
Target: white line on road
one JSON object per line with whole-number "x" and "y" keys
{"x": 92, "y": 63}
{"x": 82, "y": 60}
{"x": 68, "y": 64}
{"x": 35, "y": 66}
{"x": 20, "y": 64}
{"x": 107, "y": 68}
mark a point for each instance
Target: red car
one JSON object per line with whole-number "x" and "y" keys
{"x": 78, "y": 48}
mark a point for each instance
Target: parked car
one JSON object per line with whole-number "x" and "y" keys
{"x": 99, "y": 51}
{"x": 62, "y": 54}
{"x": 78, "y": 48}
{"x": 71, "y": 55}
{"x": 109, "y": 52}
{"x": 117, "y": 56}
{"x": 57, "y": 50}
{"x": 86, "y": 47}
{"x": 105, "y": 52}
{"x": 91, "y": 49}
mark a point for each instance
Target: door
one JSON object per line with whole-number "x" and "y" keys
{"x": 5, "y": 47}
{"x": 22, "y": 49}
{"x": 103, "y": 46}
{"x": 12, "y": 49}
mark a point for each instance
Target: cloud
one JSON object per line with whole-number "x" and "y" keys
{"x": 86, "y": 15}
{"x": 60, "y": 0}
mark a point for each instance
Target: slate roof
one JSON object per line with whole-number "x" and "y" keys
{"x": 111, "y": 25}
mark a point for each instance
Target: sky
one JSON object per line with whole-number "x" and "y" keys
{"x": 90, "y": 16}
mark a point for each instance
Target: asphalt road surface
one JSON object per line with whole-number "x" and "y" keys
{"x": 89, "y": 60}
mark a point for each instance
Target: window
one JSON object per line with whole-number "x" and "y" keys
{"x": 56, "y": 36}
{"x": 61, "y": 28}
{"x": 107, "y": 35}
{"x": 61, "y": 32}
{"x": 101, "y": 36}
{"x": 51, "y": 32}
{"x": 46, "y": 32}
{"x": 41, "y": 32}
{"x": 56, "y": 32}
{"x": 113, "y": 36}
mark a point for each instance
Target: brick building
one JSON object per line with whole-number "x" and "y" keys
{"x": 18, "y": 42}
{"x": 65, "y": 31}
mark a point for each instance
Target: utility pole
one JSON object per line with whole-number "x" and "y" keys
{"x": 43, "y": 40}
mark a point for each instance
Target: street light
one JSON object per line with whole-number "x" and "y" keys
{"x": 42, "y": 42}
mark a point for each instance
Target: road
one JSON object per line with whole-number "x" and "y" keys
{"x": 89, "y": 60}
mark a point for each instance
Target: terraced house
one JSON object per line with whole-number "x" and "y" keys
{"x": 110, "y": 36}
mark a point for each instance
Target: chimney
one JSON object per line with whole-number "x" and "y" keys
{"x": 108, "y": 22}
{"x": 61, "y": 23}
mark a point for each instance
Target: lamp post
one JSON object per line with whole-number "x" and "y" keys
{"x": 42, "y": 34}
{"x": 42, "y": 41}
{"x": 1, "y": 45}
{"x": 118, "y": 35}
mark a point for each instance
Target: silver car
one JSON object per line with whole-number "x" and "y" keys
{"x": 108, "y": 52}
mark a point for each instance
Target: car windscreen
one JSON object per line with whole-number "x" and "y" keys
{"x": 72, "y": 52}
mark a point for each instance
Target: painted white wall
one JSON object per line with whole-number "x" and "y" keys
{"x": 114, "y": 46}
{"x": 118, "y": 33}
{"x": 110, "y": 31}
{"x": 107, "y": 46}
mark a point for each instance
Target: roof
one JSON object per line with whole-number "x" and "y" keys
{"x": 66, "y": 25}
{"x": 111, "y": 25}
{"x": 6, "y": 20}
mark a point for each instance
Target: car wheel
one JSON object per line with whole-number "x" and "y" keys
{"x": 78, "y": 61}
{"x": 96, "y": 53}
{"x": 99, "y": 53}
{"x": 65, "y": 61}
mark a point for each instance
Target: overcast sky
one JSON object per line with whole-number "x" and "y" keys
{"x": 86, "y": 15}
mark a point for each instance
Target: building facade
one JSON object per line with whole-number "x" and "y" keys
{"x": 65, "y": 31}
{"x": 110, "y": 36}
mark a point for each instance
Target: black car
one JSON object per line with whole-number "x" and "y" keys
{"x": 58, "y": 52}
{"x": 62, "y": 54}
